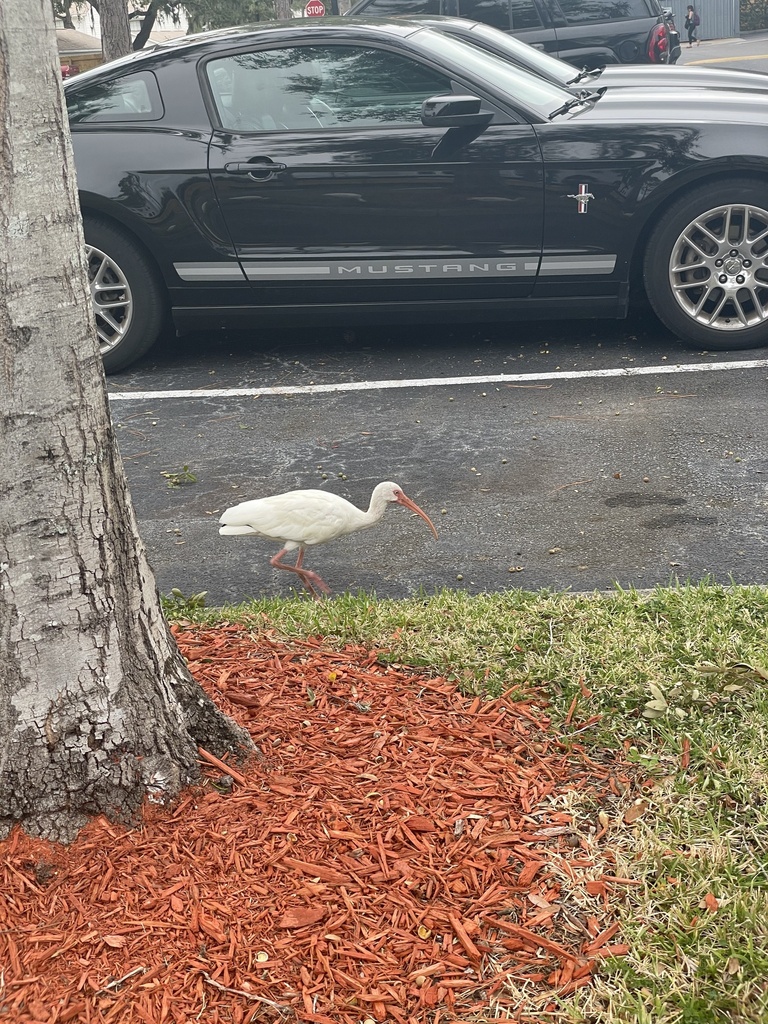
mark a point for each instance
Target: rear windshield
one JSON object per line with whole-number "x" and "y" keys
{"x": 387, "y": 8}
{"x": 516, "y": 15}
{"x": 578, "y": 12}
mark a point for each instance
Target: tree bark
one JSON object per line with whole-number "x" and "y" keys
{"x": 97, "y": 708}
{"x": 115, "y": 30}
{"x": 283, "y": 10}
{"x": 148, "y": 20}
{"x": 66, "y": 17}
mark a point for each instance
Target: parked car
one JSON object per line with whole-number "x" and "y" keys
{"x": 675, "y": 48}
{"x": 585, "y": 33}
{"x": 352, "y": 171}
{"x": 612, "y": 76}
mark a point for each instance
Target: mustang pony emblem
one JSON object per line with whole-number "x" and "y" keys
{"x": 583, "y": 196}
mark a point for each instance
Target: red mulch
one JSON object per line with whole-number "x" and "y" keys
{"x": 397, "y": 852}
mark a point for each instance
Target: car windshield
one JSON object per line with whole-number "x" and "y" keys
{"x": 521, "y": 86}
{"x": 489, "y": 39}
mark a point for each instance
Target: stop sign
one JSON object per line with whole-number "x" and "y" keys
{"x": 315, "y": 9}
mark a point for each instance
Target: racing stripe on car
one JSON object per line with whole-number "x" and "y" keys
{"x": 209, "y": 271}
{"x": 552, "y": 266}
{"x": 422, "y": 269}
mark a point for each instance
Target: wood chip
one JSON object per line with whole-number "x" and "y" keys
{"x": 301, "y": 917}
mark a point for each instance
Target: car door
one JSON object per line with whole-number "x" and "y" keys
{"x": 333, "y": 190}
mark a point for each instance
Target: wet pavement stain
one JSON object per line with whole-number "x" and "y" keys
{"x": 642, "y": 500}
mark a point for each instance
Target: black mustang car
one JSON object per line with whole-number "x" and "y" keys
{"x": 352, "y": 172}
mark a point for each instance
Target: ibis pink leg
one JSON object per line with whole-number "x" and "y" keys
{"x": 308, "y": 578}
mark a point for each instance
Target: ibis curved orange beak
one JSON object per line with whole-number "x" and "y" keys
{"x": 403, "y": 499}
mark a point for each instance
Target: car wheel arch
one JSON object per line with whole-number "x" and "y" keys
{"x": 667, "y": 198}
{"x": 708, "y": 282}
{"x": 131, "y": 227}
{"x": 130, "y": 297}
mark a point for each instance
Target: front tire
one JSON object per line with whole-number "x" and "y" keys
{"x": 128, "y": 299}
{"x": 706, "y": 266}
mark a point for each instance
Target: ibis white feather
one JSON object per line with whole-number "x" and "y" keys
{"x": 301, "y": 519}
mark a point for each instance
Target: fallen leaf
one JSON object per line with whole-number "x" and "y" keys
{"x": 653, "y": 709}
{"x": 539, "y": 901}
{"x": 657, "y": 694}
{"x": 710, "y": 903}
{"x": 116, "y": 941}
{"x": 637, "y": 810}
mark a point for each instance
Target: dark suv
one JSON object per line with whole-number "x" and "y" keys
{"x": 586, "y": 33}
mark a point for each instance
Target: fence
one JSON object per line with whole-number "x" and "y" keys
{"x": 720, "y": 19}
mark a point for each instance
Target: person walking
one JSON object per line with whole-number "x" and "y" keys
{"x": 692, "y": 22}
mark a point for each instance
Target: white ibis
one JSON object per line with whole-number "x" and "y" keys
{"x": 300, "y": 519}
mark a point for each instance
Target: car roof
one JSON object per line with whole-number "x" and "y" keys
{"x": 265, "y": 28}
{"x": 242, "y": 35}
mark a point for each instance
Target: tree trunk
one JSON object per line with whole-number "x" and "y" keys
{"x": 97, "y": 708}
{"x": 115, "y": 30}
{"x": 66, "y": 18}
{"x": 283, "y": 10}
{"x": 147, "y": 24}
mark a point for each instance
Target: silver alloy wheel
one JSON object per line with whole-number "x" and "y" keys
{"x": 111, "y": 297}
{"x": 718, "y": 269}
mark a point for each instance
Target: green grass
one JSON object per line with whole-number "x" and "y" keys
{"x": 677, "y": 667}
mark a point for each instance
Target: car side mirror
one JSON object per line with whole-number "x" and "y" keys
{"x": 454, "y": 112}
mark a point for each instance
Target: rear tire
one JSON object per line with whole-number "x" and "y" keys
{"x": 706, "y": 266}
{"x": 129, "y": 300}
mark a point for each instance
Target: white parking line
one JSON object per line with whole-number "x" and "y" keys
{"x": 435, "y": 382}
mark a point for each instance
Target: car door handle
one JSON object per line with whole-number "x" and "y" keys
{"x": 259, "y": 170}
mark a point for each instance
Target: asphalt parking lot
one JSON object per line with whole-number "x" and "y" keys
{"x": 562, "y": 456}
{"x": 565, "y": 455}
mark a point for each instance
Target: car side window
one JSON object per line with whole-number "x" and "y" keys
{"x": 311, "y": 87}
{"x": 490, "y": 12}
{"x": 580, "y": 11}
{"x": 130, "y": 98}
{"x": 388, "y": 8}
{"x": 525, "y": 14}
